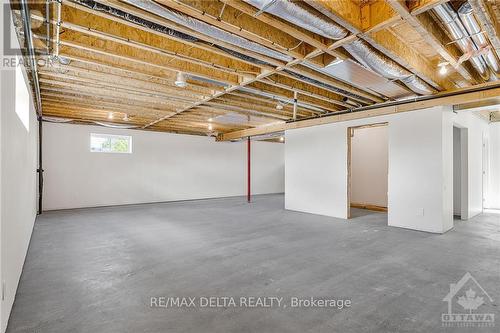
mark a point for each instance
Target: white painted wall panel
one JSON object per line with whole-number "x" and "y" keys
{"x": 18, "y": 151}
{"x": 162, "y": 167}
{"x": 477, "y": 128}
{"x": 316, "y": 169}
{"x": 493, "y": 195}
{"x": 315, "y": 160}
{"x": 369, "y": 166}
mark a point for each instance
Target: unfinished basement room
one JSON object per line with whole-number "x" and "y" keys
{"x": 210, "y": 166}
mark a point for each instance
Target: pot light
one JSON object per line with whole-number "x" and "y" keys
{"x": 210, "y": 127}
{"x": 210, "y": 119}
{"x": 282, "y": 139}
{"x": 180, "y": 80}
{"x": 110, "y": 115}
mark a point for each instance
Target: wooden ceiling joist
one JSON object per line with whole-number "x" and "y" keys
{"x": 492, "y": 91}
{"x": 436, "y": 37}
{"x": 115, "y": 64}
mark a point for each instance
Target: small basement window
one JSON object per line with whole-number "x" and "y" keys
{"x": 108, "y": 143}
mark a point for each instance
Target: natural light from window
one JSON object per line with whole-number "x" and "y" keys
{"x": 22, "y": 97}
{"x": 108, "y": 143}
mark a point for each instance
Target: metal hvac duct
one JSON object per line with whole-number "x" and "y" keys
{"x": 466, "y": 15}
{"x": 299, "y": 16}
{"x": 281, "y": 99}
{"x": 206, "y": 29}
{"x": 360, "y": 50}
{"x": 457, "y": 30}
{"x": 91, "y": 4}
{"x": 385, "y": 66}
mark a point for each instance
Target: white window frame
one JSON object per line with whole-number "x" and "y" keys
{"x": 129, "y": 137}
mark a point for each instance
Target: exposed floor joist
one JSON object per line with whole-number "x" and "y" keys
{"x": 125, "y": 57}
{"x": 491, "y": 91}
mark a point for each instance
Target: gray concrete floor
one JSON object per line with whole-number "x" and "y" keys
{"x": 94, "y": 270}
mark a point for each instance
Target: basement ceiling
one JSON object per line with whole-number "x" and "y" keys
{"x": 210, "y": 67}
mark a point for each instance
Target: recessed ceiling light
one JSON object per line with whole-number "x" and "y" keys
{"x": 210, "y": 127}
{"x": 210, "y": 119}
{"x": 282, "y": 139}
{"x": 180, "y": 80}
{"x": 110, "y": 115}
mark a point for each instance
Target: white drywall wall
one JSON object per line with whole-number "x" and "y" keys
{"x": 476, "y": 128}
{"x": 420, "y": 192}
{"x": 162, "y": 167}
{"x": 315, "y": 160}
{"x": 457, "y": 172}
{"x": 369, "y": 166}
{"x": 316, "y": 169}
{"x": 18, "y": 142}
{"x": 493, "y": 195}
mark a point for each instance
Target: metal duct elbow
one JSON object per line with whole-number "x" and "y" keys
{"x": 301, "y": 17}
{"x": 474, "y": 30}
{"x": 460, "y": 36}
{"x": 385, "y": 66}
{"x": 206, "y": 29}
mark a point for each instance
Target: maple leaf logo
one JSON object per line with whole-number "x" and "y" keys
{"x": 469, "y": 301}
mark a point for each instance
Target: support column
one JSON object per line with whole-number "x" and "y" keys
{"x": 249, "y": 193}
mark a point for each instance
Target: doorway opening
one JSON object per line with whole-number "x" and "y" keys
{"x": 367, "y": 169}
{"x": 460, "y": 173}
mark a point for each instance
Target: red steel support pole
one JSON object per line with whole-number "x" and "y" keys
{"x": 248, "y": 170}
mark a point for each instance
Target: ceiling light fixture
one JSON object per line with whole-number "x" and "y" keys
{"x": 282, "y": 139}
{"x": 279, "y": 106}
{"x": 110, "y": 115}
{"x": 180, "y": 80}
{"x": 443, "y": 69}
{"x": 210, "y": 127}
{"x": 125, "y": 117}
{"x": 210, "y": 119}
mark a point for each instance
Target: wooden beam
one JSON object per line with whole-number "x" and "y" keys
{"x": 115, "y": 86}
{"x": 75, "y": 43}
{"x": 419, "y": 6}
{"x": 491, "y": 91}
{"x": 369, "y": 23}
{"x": 166, "y": 23}
{"x": 434, "y": 36}
{"x": 346, "y": 13}
{"x": 286, "y": 90}
{"x": 343, "y": 89}
{"x": 112, "y": 31}
{"x": 378, "y": 15}
{"x": 392, "y": 46}
{"x": 246, "y": 112}
{"x": 489, "y": 22}
{"x": 62, "y": 94}
{"x": 114, "y": 91}
{"x": 244, "y": 26}
{"x": 300, "y": 34}
{"x": 79, "y": 64}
